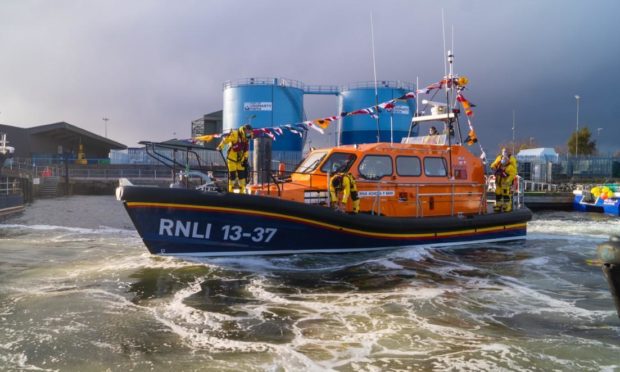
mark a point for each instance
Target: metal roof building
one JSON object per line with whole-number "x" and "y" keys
{"x": 50, "y": 142}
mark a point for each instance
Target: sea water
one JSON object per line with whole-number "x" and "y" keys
{"x": 80, "y": 292}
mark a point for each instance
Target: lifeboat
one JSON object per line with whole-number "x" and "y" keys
{"x": 411, "y": 194}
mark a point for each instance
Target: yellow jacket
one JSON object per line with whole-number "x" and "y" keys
{"x": 504, "y": 174}
{"x": 511, "y": 172}
{"x": 239, "y": 149}
{"x": 347, "y": 185}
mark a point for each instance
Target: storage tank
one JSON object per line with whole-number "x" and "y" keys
{"x": 358, "y": 129}
{"x": 265, "y": 102}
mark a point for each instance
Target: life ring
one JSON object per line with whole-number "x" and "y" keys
{"x": 516, "y": 184}
{"x": 491, "y": 186}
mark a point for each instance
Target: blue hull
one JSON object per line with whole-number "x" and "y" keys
{"x": 608, "y": 206}
{"x": 10, "y": 204}
{"x": 184, "y": 222}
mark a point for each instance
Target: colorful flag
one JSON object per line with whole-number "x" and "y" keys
{"x": 409, "y": 95}
{"x": 205, "y": 138}
{"x": 373, "y": 111}
{"x": 313, "y": 126}
{"x": 364, "y": 111}
{"x": 471, "y": 138}
{"x": 294, "y": 131}
{"x": 388, "y": 106}
{"x": 267, "y": 132}
{"x": 466, "y": 105}
{"x": 323, "y": 123}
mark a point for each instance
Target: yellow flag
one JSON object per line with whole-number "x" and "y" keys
{"x": 205, "y": 138}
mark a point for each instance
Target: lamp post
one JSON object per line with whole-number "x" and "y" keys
{"x": 513, "y": 131}
{"x": 577, "y": 131}
{"x": 105, "y": 120}
{"x": 250, "y": 117}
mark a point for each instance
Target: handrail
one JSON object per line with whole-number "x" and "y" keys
{"x": 9, "y": 188}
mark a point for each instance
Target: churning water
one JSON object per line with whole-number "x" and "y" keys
{"x": 79, "y": 291}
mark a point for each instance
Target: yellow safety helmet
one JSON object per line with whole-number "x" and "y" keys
{"x": 247, "y": 130}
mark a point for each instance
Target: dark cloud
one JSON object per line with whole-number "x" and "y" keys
{"x": 153, "y": 66}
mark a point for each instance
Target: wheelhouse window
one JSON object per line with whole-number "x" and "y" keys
{"x": 408, "y": 166}
{"x": 435, "y": 167}
{"x": 311, "y": 162}
{"x": 338, "y": 162}
{"x": 375, "y": 167}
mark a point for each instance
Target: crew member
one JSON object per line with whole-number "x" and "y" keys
{"x": 432, "y": 136}
{"x": 505, "y": 169}
{"x": 346, "y": 183}
{"x": 237, "y": 156}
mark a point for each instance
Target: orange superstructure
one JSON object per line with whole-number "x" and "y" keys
{"x": 395, "y": 180}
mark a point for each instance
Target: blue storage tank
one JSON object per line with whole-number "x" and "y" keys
{"x": 265, "y": 102}
{"x": 359, "y": 129}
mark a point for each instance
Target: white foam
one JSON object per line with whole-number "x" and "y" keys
{"x": 602, "y": 227}
{"x": 76, "y": 230}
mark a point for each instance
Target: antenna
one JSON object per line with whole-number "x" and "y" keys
{"x": 374, "y": 68}
{"x": 452, "y": 47}
{"x": 443, "y": 33}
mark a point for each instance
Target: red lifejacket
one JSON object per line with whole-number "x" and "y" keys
{"x": 242, "y": 145}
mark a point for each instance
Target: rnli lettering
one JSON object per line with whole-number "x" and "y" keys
{"x": 187, "y": 229}
{"x": 201, "y": 230}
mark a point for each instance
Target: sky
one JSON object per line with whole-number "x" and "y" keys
{"x": 151, "y": 67}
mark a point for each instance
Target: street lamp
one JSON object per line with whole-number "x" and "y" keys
{"x": 105, "y": 120}
{"x": 513, "y": 131}
{"x": 250, "y": 117}
{"x": 577, "y": 131}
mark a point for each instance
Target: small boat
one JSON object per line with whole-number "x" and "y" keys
{"x": 603, "y": 198}
{"x": 427, "y": 191}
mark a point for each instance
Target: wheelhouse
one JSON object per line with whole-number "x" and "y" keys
{"x": 397, "y": 180}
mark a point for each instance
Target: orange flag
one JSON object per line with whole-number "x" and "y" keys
{"x": 323, "y": 123}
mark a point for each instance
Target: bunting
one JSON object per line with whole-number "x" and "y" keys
{"x": 313, "y": 126}
{"x": 466, "y": 104}
{"x": 471, "y": 137}
{"x": 323, "y": 123}
{"x": 373, "y": 111}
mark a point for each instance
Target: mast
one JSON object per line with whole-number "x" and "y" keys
{"x": 449, "y": 93}
{"x": 374, "y": 68}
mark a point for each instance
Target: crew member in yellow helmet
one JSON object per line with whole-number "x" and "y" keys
{"x": 345, "y": 183}
{"x": 505, "y": 169}
{"x": 237, "y": 156}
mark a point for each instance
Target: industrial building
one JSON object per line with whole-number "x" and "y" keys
{"x": 269, "y": 102}
{"x": 53, "y": 143}
{"x": 208, "y": 124}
